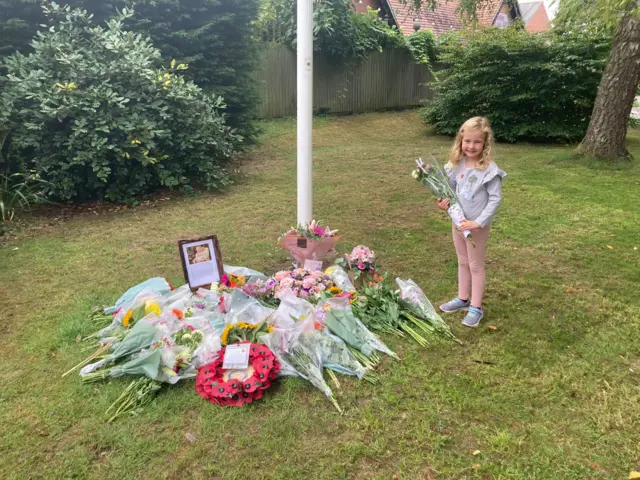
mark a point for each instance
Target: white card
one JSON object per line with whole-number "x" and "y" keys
{"x": 236, "y": 356}
{"x": 313, "y": 265}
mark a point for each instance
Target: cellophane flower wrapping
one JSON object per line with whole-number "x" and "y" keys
{"x": 322, "y": 249}
{"x": 340, "y": 278}
{"x": 336, "y": 355}
{"x": 246, "y": 308}
{"x": 341, "y": 321}
{"x": 412, "y": 296}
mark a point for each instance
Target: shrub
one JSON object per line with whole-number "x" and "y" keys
{"x": 537, "y": 87}
{"x": 340, "y": 34}
{"x": 215, "y": 37}
{"x": 92, "y": 115}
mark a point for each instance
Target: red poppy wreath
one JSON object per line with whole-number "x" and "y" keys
{"x": 239, "y": 386}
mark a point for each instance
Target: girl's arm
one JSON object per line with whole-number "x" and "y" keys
{"x": 494, "y": 189}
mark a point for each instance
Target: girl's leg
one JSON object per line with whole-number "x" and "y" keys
{"x": 464, "y": 272}
{"x": 476, "y": 265}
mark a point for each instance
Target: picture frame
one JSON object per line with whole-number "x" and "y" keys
{"x": 201, "y": 261}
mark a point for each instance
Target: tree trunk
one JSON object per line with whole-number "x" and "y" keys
{"x": 607, "y": 130}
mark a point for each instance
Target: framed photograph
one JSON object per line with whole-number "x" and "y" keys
{"x": 201, "y": 261}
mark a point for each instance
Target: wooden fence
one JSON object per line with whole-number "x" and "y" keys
{"x": 383, "y": 81}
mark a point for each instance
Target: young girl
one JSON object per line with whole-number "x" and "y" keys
{"x": 477, "y": 181}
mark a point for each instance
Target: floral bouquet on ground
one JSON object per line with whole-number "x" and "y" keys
{"x": 309, "y": 242}
{"x": 309, "y": 284}
{"x": 361, "y": 263}
{"x": 434, "y": 178}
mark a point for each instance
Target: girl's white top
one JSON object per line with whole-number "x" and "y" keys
{"x": 479, "y": 191}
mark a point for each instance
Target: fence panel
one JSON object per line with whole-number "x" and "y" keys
{"x": 387, "y": 79}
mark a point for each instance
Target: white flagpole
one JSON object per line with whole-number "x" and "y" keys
{"x": 305, "y": 109}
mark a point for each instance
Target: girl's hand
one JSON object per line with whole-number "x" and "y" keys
{"x": 468, "y": 225}
{"x": 443, "y": 204}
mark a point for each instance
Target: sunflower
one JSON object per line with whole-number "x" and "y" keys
{"x": 127, "y": 318}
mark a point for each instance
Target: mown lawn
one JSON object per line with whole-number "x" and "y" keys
{"x": 552, "y": 393}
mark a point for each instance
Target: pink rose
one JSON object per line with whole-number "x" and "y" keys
{"x": 287, "y": 282}
{"x": 309, "y": 282}
{"x": 361, "y": 266}
{"x": 281, "y": 275}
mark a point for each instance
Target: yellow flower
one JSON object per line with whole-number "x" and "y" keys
{"x": 335, "y": 290}
{"x": 270, "y": 328}
{"x": 225, "y": 335}
{"x": 127, "y": 318}
{"x": 152, "y": 307}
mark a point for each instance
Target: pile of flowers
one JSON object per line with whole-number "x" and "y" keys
{"x": 298, "y": 322}
{"x": 302, "y": 283}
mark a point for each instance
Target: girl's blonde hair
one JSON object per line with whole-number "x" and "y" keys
{"x": 475, "y": 124}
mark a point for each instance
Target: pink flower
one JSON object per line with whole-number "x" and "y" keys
{"x": 280, "y": 275}
{"x": 361, "y": 266}
{"x": 304, "y": 293}
{"x": 190, "y": 328}
{"x": 427, "y": 166}
{"x": 309, "y": 282}
{"x": 287, "y": 282}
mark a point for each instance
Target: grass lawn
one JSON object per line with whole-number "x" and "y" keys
{"x": 558, "y": 394}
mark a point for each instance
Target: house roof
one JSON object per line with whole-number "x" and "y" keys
{"x": 443, "y": 19}
{"x": 528, "y": 10}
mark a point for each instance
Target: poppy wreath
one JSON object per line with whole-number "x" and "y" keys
{"x": 262, "y": 369}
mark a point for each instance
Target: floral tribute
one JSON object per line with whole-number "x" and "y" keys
{"x": 303, "y": 283}
{"x": 242, "y": 386}
{"x": 309, "y": 242}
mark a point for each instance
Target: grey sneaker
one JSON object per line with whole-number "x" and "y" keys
{"x": 454, "y": 305}
{"x": 473, "y": 317}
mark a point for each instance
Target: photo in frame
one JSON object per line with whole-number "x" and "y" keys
{"x": 201, "y": 261}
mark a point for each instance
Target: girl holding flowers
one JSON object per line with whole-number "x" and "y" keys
{"x": 477, "y": 181}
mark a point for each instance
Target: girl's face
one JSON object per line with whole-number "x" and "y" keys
{"x": 473, "y": 144}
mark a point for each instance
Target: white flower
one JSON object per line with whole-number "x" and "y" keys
{"x": 415, "y": 174}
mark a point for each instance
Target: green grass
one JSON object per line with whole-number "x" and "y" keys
{"x": 559, "y": 400}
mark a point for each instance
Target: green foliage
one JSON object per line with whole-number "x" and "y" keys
{"x": 91, "y": 114}
{"x": 341, "y": 34}
{"x": 215, "y": 37}
{"x": 19, "y": 191}
{"x": 599, "y": 15}
{"x": 422, "y": 45}
{"x": 535, "y": 87}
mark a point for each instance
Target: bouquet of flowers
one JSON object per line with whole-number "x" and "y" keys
{"x": 361, "y": 264}
{"x": 244, "y": 332}
{"x": 433, "y": 177}
{"x": 309, "y": 242}
{"x": 303, "y": 283}
{"x": 263, "y": 290}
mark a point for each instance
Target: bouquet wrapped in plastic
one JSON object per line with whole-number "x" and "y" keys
{"x": 300, "y": 355}
{"x": 310, "y": 242}
{"x": 413, "y": 298}
{"x": 434, "y": 178}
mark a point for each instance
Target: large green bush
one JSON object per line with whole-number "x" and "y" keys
{"x": 536, "y": 87}
{"x": 91, "y": 114}
{"x": 215, "y": 37}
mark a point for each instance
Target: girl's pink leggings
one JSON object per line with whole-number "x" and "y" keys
{"x": 471, "y": 264}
